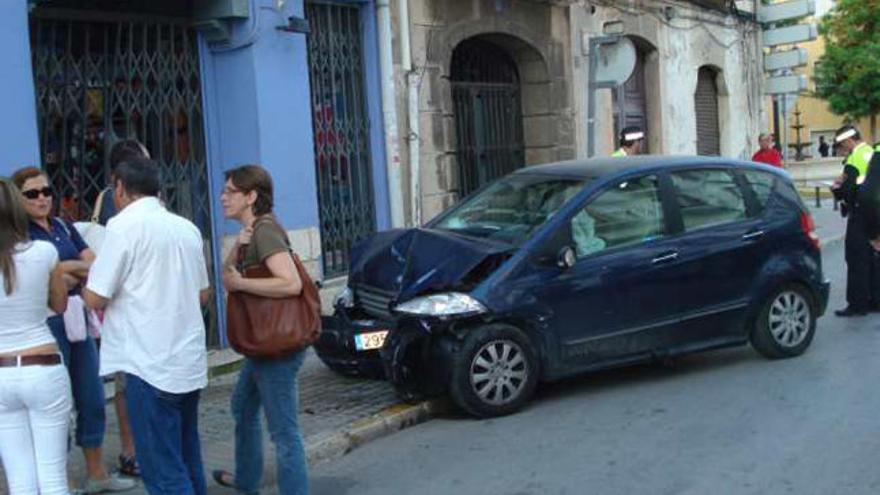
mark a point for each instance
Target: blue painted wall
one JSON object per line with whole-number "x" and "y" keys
{"x": 18, "y": 129}
{"x": 258, "y": 110}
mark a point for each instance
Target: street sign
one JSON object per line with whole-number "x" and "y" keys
{"x": 786, "y": 11}
{"x": 788, "y": 59}
{"x": 785, "y": 84}
{"x": 790, "y": 35}
{"x": 615, "y": 62}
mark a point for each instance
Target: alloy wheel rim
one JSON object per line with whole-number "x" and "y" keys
{"x": 498, "y": 372}
{"x": 789, "y": 319}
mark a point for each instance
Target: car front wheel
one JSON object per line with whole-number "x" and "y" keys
{"x": 786, "y": 324}
{"x": 495, "y": 371}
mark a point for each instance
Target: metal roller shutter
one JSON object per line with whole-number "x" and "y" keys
{"x": 706, "y": 109}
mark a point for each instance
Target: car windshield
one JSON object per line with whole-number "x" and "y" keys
{"x": 512, "y": 208}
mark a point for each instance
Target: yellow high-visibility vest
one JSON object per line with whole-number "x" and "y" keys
{"x": 859, "y": 159}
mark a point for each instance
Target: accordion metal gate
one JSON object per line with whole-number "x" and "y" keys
{"x": 102, "y": 78}
{"x": 341, "y": 130}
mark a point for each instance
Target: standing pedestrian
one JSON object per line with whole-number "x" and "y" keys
{"x": 863, "y": 266}
{"x": 823, "y": 147}
{"x": 631, "y": 141}
{"x": 268, "y": 383}
{"x": 767, "y": 153}
{"x": 76, "y": 344}
{"x": 151, "y": 279}
{"x": 35, "y": 397}
{"x": 127, "y": 149}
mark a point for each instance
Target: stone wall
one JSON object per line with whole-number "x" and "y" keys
{"x": 535, "y": 35}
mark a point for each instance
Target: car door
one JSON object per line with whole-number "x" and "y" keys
{"x": 613, "y": 303}
{"x": 720, "y": 249}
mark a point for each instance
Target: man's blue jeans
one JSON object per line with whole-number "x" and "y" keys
{"x": 81, "y": 359}
{"x": 165, "y": 427}
{"x": 272, "y": 385}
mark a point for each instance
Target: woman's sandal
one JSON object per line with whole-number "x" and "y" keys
{"x": 223, "y": 478}
{"x": 128, "y": 466}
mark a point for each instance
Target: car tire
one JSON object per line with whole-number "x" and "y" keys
{"x": 786, "y": 324}
{"x": 494, "y": 372}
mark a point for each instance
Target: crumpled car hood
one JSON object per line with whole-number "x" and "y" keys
{"x": 418, "y": 261}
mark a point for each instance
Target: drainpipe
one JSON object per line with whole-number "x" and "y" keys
{"x": 389, "y": 114}
{"x": 412, "y": 102}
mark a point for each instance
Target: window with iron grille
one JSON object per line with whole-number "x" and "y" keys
{"x": 488, "y": 113}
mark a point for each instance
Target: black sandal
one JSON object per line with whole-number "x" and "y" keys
{"x": 128, "y": 466}
{"x": 222, "y": 478}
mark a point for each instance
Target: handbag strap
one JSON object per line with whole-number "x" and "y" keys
{"x": 99, "y": 206}
{"x": 242, "y": 250}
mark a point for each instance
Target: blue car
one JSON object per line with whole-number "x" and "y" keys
{"x": 571, "y": 267}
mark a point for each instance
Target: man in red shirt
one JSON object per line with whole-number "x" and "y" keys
{"x": 767, "y": 154}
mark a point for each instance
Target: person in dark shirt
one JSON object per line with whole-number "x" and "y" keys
{"x": 127, "y": 149}
{"x": 122, "y": 151}
{"x": 823, "y": 147}
{"x": 80, "y": 353}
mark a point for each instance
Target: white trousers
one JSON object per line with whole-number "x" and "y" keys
{"x": 35, "y": 404}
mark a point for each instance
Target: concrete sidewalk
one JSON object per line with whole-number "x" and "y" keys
{"x": 337, "y": 414}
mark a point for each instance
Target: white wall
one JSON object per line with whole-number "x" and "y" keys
{"x": 683, "y": 46}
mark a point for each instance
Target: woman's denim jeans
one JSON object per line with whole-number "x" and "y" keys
{"x": 81, "y": 359}
{"x": 271, "y": 384}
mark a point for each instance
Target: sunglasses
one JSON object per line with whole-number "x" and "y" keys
{"x": 35, "y": 193}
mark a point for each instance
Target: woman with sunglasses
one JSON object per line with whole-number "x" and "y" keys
{"x": 34, "y": 386}
{"x": 81, "y": 356}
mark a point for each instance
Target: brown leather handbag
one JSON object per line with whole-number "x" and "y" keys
{"x": 272, "y": 328}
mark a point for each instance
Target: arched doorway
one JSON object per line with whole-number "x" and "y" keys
{"x": 706, "y": 113}
{"x": 630, "y": 100}
{"x": 488, "y": 113}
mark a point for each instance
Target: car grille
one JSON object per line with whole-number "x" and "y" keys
{"x": 376, "y": 302}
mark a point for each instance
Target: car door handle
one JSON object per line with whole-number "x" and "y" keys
{"x": 753, "y": 235}
{"x": 665, "y": 258}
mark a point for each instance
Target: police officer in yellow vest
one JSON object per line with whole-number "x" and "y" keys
{"x": 863, "y": 264}
{"x": 631, "y": 139}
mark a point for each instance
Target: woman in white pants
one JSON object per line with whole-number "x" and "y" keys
{"x": 35, "y": 398}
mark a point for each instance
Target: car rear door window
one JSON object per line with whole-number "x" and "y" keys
{"x": 627, "y": 213}
{"x": 708, "y": 197}
{"x": 762, "y": 184}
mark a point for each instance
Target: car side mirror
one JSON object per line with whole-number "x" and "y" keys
{"x": 566, "y": 258}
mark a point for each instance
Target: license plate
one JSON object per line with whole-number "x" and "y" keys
{"x": 370, "y": 341}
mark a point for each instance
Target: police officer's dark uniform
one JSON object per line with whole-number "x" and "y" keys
{"x": 862, "y": 262}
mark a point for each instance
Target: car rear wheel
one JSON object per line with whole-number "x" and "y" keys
{"x": 495, "y": 371}
{"x": 786, "y": 324}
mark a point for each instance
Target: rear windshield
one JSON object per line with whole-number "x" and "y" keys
{"x": 512, "y": 208}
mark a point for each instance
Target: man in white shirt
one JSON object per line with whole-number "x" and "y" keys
{"x": 151, "y": 278}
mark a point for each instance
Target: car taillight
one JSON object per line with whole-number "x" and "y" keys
{"x": 808, "y": 227}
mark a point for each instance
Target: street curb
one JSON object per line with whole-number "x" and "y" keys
{"x": 387, "y": 422}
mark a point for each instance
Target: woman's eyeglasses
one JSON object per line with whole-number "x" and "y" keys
{"x": 35, "y": 193}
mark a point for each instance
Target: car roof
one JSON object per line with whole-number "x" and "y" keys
{"x": 607, "y": 166}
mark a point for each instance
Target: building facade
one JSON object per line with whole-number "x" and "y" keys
{"x": 207, "y": 86}
{"x": 503, "y": 84}
{"x": 816, "y": 119}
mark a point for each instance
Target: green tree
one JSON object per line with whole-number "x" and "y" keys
{"x": 847, "y": 76}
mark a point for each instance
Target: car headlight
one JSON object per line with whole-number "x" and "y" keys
{"x": 344, "y": 298}
{"x": 448, "y": 304}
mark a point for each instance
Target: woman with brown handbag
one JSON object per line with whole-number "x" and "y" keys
{"x": 267, "y": 382}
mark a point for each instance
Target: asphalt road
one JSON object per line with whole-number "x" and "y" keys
{"x": 725, "y": 422}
